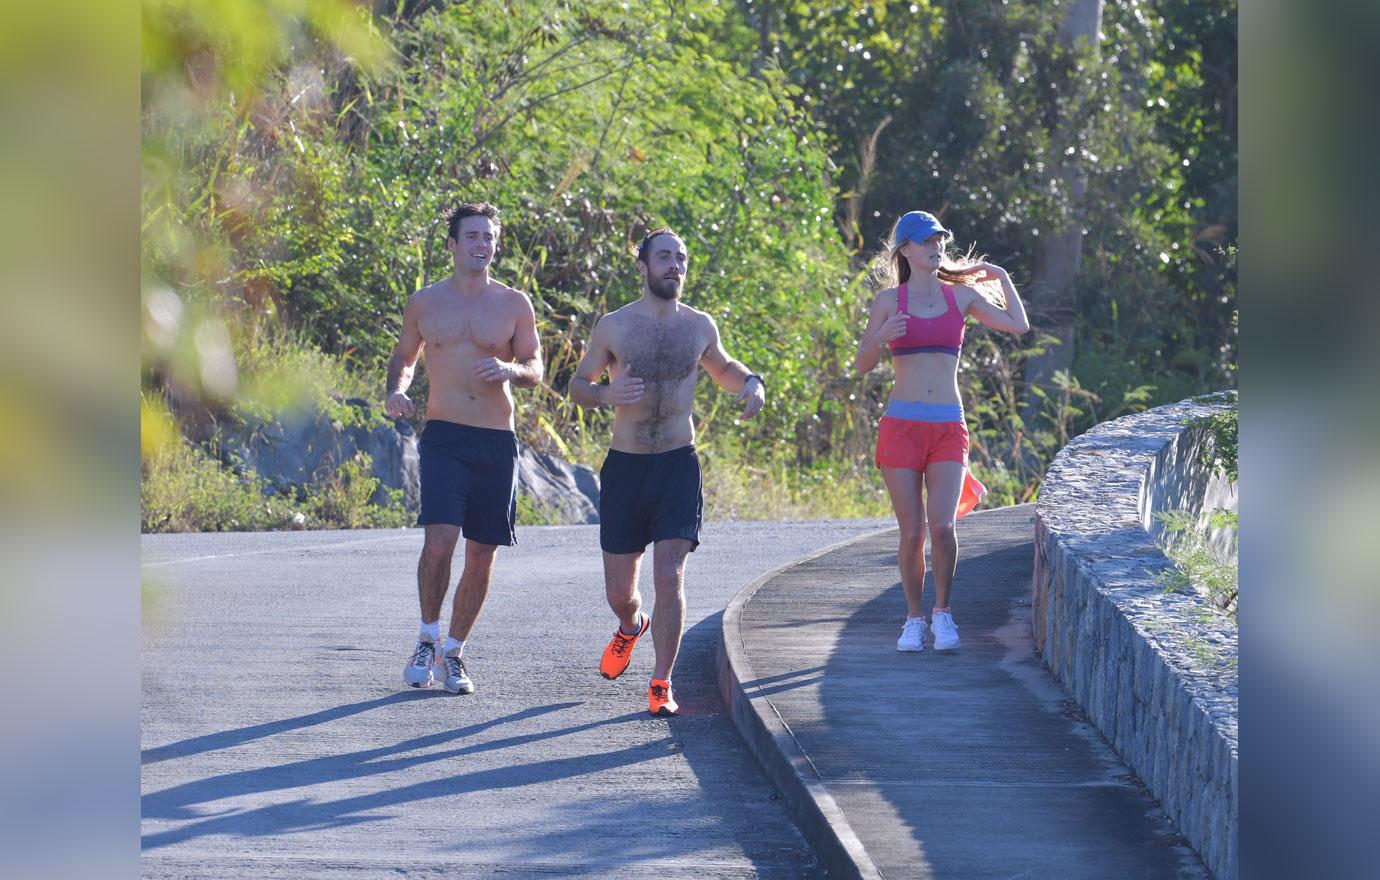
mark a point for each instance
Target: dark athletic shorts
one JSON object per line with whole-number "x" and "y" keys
{"x": 645, "y": 498}
{"x": 470, "y": 479}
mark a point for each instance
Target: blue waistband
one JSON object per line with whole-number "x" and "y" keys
{"x": 920, "y": 411}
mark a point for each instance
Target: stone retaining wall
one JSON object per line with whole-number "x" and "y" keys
{"x": 1155, "y": 671}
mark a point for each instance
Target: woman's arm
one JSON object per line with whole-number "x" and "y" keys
{"x": 884, "y": 324}
{"x": 1011, "y": 319}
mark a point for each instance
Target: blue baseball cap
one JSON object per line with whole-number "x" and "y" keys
{"x": 917, "y": 226}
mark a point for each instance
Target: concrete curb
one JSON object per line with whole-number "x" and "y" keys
{"x": 776, "y": 749}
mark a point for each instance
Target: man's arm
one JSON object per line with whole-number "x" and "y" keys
{"x": 584, "y": 385}
{"x": 525, "y": 370}
{"x": 527, "y": 366}
{"x": 732, "y": 375}
{"x": 403, "y": 363}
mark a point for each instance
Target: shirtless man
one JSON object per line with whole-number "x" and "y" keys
{"x": 650, "y": 488}
{"x": 480, "y": 336}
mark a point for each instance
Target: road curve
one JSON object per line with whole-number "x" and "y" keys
{"x": 277, "y": 739}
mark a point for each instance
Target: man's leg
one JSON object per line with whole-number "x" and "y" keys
{"x": 433, "y": 578}
{"x": 433, "y": 569}
{"x": 473, "y": 588}
{"x": 620, "y": 588}
{"x": 668, "y": 615}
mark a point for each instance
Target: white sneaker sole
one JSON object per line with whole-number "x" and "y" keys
{"x": 946, "y": 646}
{"x": 906, "y": 649}
{"x": 466, "y": 688}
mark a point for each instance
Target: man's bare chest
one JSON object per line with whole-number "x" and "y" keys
{"x": 452, "y": 327}
{"x": 660, "y": 351}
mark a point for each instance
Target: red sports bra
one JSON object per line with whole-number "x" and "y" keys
{"x": 942, "y": 333}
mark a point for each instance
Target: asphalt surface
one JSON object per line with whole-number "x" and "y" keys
{"x": 278, "y": 739}
{"x": 965, "y": 765}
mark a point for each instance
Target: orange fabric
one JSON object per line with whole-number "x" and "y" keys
{"x": 971, "y": 495}
{"x": 902, "y": 443}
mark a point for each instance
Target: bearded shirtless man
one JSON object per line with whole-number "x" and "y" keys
{"x": 480, "y": 336}
{"x": 650, "y": 487}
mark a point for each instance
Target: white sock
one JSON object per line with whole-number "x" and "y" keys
{"x": 431, "y": 632}
{"x": 454, "y": 647}
{"x": 921, "y": 618}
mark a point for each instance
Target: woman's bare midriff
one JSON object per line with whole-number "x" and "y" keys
{"x": 930, "y": 377}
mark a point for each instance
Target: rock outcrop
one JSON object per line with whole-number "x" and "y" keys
{"x": 306, "y": 447}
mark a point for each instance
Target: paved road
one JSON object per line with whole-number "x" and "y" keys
{"x": 969, "y": 765}
{"x": 278, "y": 740}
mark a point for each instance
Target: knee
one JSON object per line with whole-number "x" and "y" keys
{"x": 481, "y": 553}
{"x": 913, "y": 536}
{"x": 942, "y": 531}
{"x": 669, "y": 574}
{"x": 437, "y": 550}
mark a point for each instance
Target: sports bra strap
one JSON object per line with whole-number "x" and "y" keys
{"x": 903, "y": 296}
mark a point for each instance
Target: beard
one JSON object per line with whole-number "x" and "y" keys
{"x": 664, "y": 288}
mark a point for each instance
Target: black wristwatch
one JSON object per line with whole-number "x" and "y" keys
{"x": 758, "y": 378}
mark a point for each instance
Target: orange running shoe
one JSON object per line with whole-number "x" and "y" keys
{"x": 659, "y": 699}
{"x": 619, "y": 651}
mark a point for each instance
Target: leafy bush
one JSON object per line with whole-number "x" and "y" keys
{"x": 1195, "y": 565}
{"x": 185, "y": 490}
{"x": 531, "y": 512}
{"x": 1221, "y": 453}
{"x": 296, "y": 160}
{"x": 343, "y": 500}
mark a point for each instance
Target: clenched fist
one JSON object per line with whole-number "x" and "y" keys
{"x": 399, "y": 406}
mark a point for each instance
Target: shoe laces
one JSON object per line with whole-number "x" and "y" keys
{"x": 455, "y": 667}
{"x": 658, "y": 692}
{"x": 623, "y": 642}
{"x": 425, "y": 655}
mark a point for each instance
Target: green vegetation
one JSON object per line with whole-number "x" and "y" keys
{"x": 184, "y": 489}
{"x": 297, "y": 158}
{"x": 1222, "y": 452}
{"x": 1195, "y": 565}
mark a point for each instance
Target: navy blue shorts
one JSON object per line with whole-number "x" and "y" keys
{"x": 645, "y": 498}
{"x": 470, "y": 479}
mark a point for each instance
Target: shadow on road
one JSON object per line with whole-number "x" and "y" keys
{"x": 226, "y": 738}
{"x": 305, "y": 815}
{"x": 976, "y": 756}
{"x": 178, "y": 802}
{"x": 716, "y": 756}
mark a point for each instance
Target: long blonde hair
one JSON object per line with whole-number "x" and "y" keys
{"x": 889, "y": 269}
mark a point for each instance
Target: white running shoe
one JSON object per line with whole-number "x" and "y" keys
{"x": 418, "y": 671}
{"x": 912, "y": 635}
{"x": 945, "y": 633}
{"x": 457, "y": 678}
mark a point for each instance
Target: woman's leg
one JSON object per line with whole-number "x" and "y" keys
{"x": 943, "y": 483}
{"x": 903, "y": 485}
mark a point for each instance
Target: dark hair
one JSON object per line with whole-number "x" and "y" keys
{"x": 647, "y": 240}
{"x": 469, "y": 209}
